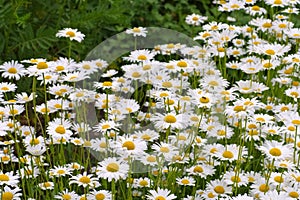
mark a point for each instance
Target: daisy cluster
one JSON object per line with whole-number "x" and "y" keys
{"x": 214, "y": 121}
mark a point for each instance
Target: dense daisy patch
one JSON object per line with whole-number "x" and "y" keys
{"x": 214, "y": 121}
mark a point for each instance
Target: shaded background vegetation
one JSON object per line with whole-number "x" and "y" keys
{"x": 28, "y": 27}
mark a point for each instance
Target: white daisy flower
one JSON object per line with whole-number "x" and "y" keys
{"x": 72, "y": 34}
{"x": 112, "y": 168}
{"x": 137, "y": 31}
{"x": 12, "y": 70}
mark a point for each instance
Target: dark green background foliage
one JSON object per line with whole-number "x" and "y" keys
{"x": 28, "y": 28}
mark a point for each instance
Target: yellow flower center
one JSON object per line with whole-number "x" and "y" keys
{"x": 107, "y": 83}
{"x": 170, "y": 66}
{"x": 34, "y": 141}
{"x": 151, "y": 159}
{"x": 4, "y": 88}
{"x": 256, "y": 8}
{"x": 296, "y": 121}
{"x": 264, "y": 188}
{"x": 185, "y": 181}
{"x": 136, "y": 75}
{"x": 278, "y": 179}
{"x": 142, "y": 57}
{"x": 167, "y": 84}
{"x": 206, "y": 34}
{"x": 198, "y": 169}
{"x": 7, "y": 196}
{"x": 291, "y": 128}
{"x": 260, "y": 119}
{"x": 4, "y": 177}
{"x": 66, "y": 197}
{"x": 160, "y": 198}
{"x": 61, "y": 171}
{"x": 143, "y": 183}
{"x": 58, "y": 106}
{"x": 105, "y": 126}
{"x": 59, "y": 68}
{"x": 282, "y": 25}
{"x": 170, "y": 119}
{"x": 278, "y": 2}
{"x": 129, "y": 110}
{"x": 47, "y": 184}
{"x": 164, "y": 149}
{"x": 13, "y": 112}
{"x": 213, "y": 83}
{"x": 195, "y": 18}
{"x": 253, "y": 132}
{"x": 79, "y": 94}
{"x": 235, "y": 179}
{"x": 221, "y": 132}
{"x": 269, "y": 107}
{"x": 136, "y": 30}
{"x": 267, "y": 25}
{"x": 112, "y": 167}
{"x": 275, "y": 152}
{"x": 204, "y": 100}
{"x": 42, "y": 65}
{"x": 10, "y": 125}
{"x": 43, "y": 110}
{"x": 70, "y": 34}
{"x": 12, "y": 70}
{"x": 268, "y": 65}
{"x": 213, "y": 150}
{"x": 100, "y": 196}
{"x": 219, "y": 189}
{"x": 294, "y": 194}
{"x": 129, "y": 145}
{"x": 270, "y": 52}
{"x": 163, "y": 94}
{"x": 170, "y": 46}
{"x": 227, "y": 154}
{"x": 146, "y": 137}
{"x": 235, "y": 6}
{"x": 194, "y": 119}
{"x": 169, "y": 102}
{"x": 221, "y": 49}
{"x": 239, "y": 108}
{"x": 60, "y": 129}
{"x": 47, "y": 77}
{"x": 85, "y": 180}
{"x": 210, "y": 195}
{"x": 182, "y": 64}
{"x": 86, "y": 67}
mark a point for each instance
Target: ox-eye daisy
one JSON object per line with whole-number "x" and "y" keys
{"x": 137, "y": 31}
{"x": 162, "y": 194}
{"x": 12, "y": 70}
{"x": 276, "y": 150}
{"x": 112, "y": 169}
{"x": 168, "y": 120}
{"x": 84, "y": 180}
{"x": 73, "y": 34}
{"x": 8, "y": 194}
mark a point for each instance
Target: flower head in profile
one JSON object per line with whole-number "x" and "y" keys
{"x": 137, "y": 31}
{"x": 73, "y": 34}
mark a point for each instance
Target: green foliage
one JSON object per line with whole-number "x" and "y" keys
{"x": 28, "y": 27}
